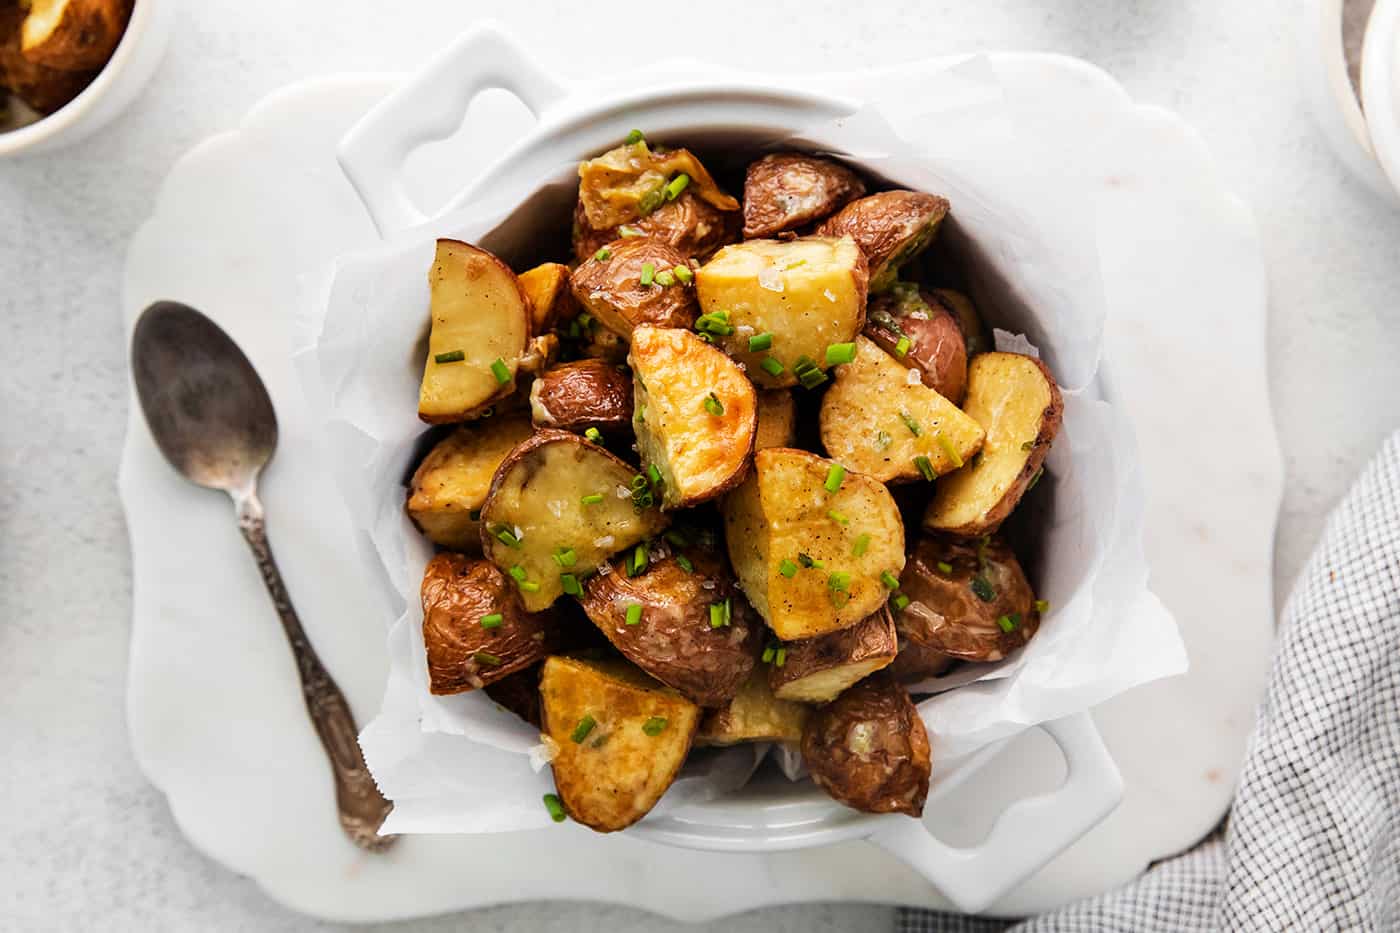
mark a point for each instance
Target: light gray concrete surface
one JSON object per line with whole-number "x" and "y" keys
{"x": 88, "y": 844}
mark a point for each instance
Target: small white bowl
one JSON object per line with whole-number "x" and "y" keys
{"x": 116, "y": 85}
{"x": 1380, "y": 86}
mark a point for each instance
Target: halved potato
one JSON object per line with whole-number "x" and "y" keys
{"x": 542, "y": 503}
{"x": 807, "y": 294}
{"x": 551, "y": 301}
{"x": 777, "y": 419}
{"x": 474, "y": 629}
{"x": 609, "y": 286}
{"x": 73, "y": 35}
{"x": 619, "y": 737}
{"x": 890, "y": 228}
{"x": 975, "y": 333}
{"x": 874, "y": 420}
{"x": 787, "y": 190}
{"x": 1016, "y": 400}
{"x": 673, "y": 638}
{"x": 817, "y": 670}
{"x": 451, "y": 483}
{"x": 754, "y": 715}
{"x": 696, "y": 414}
{"x": 633, "y": 180}
{"x": 481, "y": 325}
{"x": 581, "y": 395}
{"x": 693, "y": 226}
{"x": 914, "y": 327}
{"x": 811, "y": 561}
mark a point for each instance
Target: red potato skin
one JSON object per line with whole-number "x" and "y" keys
{"x": 589, "y": 393}
{"x": 690, "y": 225}
{"x": 915, "y": 663}
{"x": 611, "y": 290}
{"x": 519, "y": 693}
{"x": 870, "y": 641}
{"x": 884, "y": 225}
{"x": 937, "y": 347}
{"x": 787, "y": 190}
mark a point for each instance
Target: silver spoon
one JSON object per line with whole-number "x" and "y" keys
{"x": 212, "y": 418}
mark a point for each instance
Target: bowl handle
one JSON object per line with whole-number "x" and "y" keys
{"x": 431, "y": 106}
{"x": 1027, "y": 834}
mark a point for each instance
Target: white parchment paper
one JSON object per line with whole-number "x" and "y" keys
{"x": 1025, "y": 224}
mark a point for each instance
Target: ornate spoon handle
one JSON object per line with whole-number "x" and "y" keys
{"x": 362, "y": 808}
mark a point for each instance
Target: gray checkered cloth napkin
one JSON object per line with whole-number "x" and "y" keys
{"x": 1313, "y": 839}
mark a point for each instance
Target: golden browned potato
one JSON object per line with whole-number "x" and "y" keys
{"x": 777, "y": 419}
{"x": 581, "y": 395}
{"x": 914, "y": 327}
{"x": 610, "y": 286}
{"x": 696, "y": 415}
{"x": 42, "y": 88}
{"x": 777, "y": 306}
{"x": 634, "y": 180}
{"x": 480, "y": 329}
{"x": 1015, "y": 399}
{"x": 672, "y": 632}
{"x": 787, "y": 190}
{"x": 816, "y": 670}
{"x": 967, "y": 599}
{"x": 619, "y": 739}
{"x": 551, "y": 301}
{"x": 815, "y": 549}
{"x": 558, "y": 508}
{"x": 876, "y": 421}
{"x": 474, "y": 628}
{"x": 73, "y": 35}
{"x": 915, "y": 663}
{"x": 519, "y": 693}
{"x": 450, "y": 485}
{"x": 868, "y": 749}
{"x": 974, "y": 329}
{"x": 692, "y": 225}
{"x": 890, "y": 227}
{"x": 754, "y": 715}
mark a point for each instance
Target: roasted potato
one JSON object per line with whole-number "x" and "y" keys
{"x": 42, "y": 88}
{"x": 519, "y": 693}
{"x": 800, "y": 296}
{"x": 816, "y": 670}
{"x": 633, "y": 180}
{"x": 619, "y": 739}
{"x": 868, "y": 749}
{"x": 1017, "y": 402}
{"x": 777, "y": 419}
{"x": 787, "y": 190}
{"x": 581, "y": 395}
{"x": 474, "y": 628}
{"x": 542, "y": 522}
{"x": 875, "y": 421}
{"x": 978, "y": 339}
{"x": 674, "y": 637}
{"x": 914, "y": 663}
{"x": 481, "y": 326}
{"x": 890, "y": 228}
{"x": 551, "y": 301}
{"x": 915, "y": 328}
{"x": 754, "y": 715}
{"x": 73, "y": 35}
{"x": 609, "y": 285}
{"x": 450, "y": 485}
{"x": 967, "y": 599}
{"x": 812, "y": 560}
{"x": 696, "y": 415}
{"x": 693, "y": 226}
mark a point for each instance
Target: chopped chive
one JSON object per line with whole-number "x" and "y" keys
{"x": 883, "y": 440}
{"x": 768, "y": 652}
{"x": 835, "y": 476}
{"x": 839, "y": 353}
{"x": 528, "y": 586}
{"x": 838, "y": 581}
{"x": 677, "y": 185}
{"x": 714, "y": 323}
{"x": 651, "y": 200}
{"x": 500, "y": 370}
{"x": 676, "y": 538}
{"x": 594, "y": 435}
{"x": 593, "y": 498}
{"x": 944, "y": 567}
{"x": 910, "y": 423}
{"x": 1035, "y": 479}
{"x": 890, "y": 581}
{"x": 654, "y": 475}
{"x": 719, "y": 613}
{"x": 487, "y": 658}
{"x": 759, "y": 342}
{"x": 713, "y": 405}
{"x": 837, "y": 517}
{"x": 603, "y": 254}
{"x": 451, "y": 356}
{"x": 685, "y": 563}
{"x": 655, "y": 725}
{"x": 779, "y": 657}
{"x": 950, "y": 451}
{"x": 771, "y": 366}
{"x": 899, "y": 602}
{"x": 1007, "y": 623}
{"x": 634, "y": 613}
{"x": 665, "y": 278}
{"x": 648, "y": 273}
{"x": 925, "y": 468}
{"x": 1028, "y": 445}
{"x": 569, "y": 583}
{"x": 982, "y": 589}
{"x": 859, "y": 548}
{"x": 806, "y": 560}
{"x": 634, "y": 137}
{"x": 787, "y": 568}
{"x": 683, "y": 274}
{"x": 565, "y": 556}
{"x": 494, "y": 620}
{"x": 807, "y": 373}
{"x": 1042, "y": 606}
{"x": 585, "y": 726}
{"x": 628, "y": 232}
{"x": 505, "y": 537}
{"x": 901, "y": 349}
{"x": 517, "y": 573}
{"x": 638, "y": 563}
{"x": 555, "y": 807}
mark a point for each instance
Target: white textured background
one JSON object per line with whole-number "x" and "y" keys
{"x": 87, "y": 843}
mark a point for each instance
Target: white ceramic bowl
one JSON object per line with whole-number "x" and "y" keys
{"x": 132, "y": 63}
{"x": 767, "y": 814}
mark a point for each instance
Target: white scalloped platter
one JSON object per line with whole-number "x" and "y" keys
{"x": 242, "y": 229}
